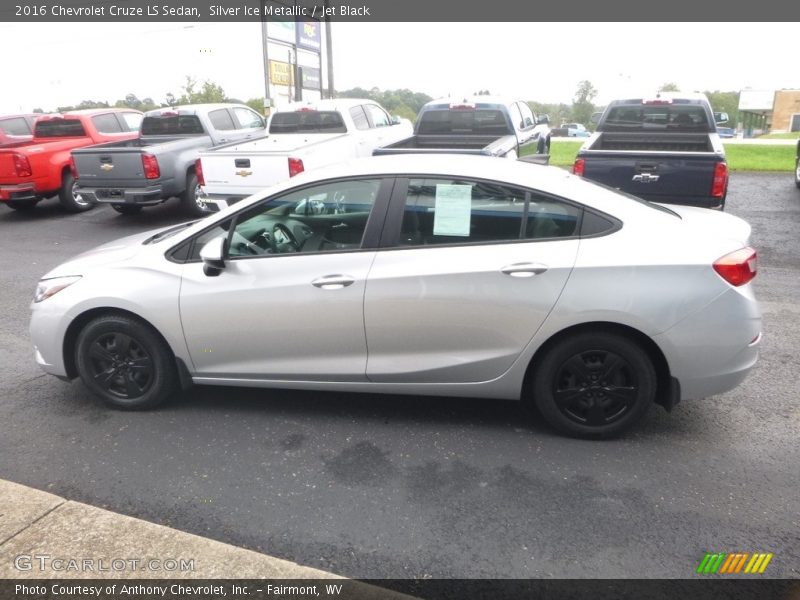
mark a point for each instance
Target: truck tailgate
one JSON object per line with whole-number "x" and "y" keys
{"x": 98, "y": 167}
{"x": 245, "y": 168}
{"x": 658, "y": 176}
{"x": 8, "y": 173}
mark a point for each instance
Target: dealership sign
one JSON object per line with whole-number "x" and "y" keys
{"x": 280, "y": 73}
{"x": 309, "y": 35}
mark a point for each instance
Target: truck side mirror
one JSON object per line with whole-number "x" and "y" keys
{"x": 213, "y": 256}
{"x": 595, "y": 118}
{"x": 543, "y": 120}
{"x": 720, "y": 118}
{"x": 395, "y": 120}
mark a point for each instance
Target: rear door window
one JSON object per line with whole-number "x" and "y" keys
{"x": 359, "y": 117}
{"x": 221, "y": 120}
{"x": 15, "y": 126}
{"x": 107, "y": 123}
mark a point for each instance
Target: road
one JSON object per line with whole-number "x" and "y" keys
{"x": 385, "y": 486}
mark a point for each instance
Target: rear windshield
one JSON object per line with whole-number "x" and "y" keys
{"x": 59, "y": 128}
{"x": 307, "y": 121}
{"x": 670, "y": 117}
{"x": 172, "y": 124}
{"x": 478, "y": 121}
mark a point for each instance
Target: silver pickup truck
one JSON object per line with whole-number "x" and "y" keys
{"x": 160, "y": 164}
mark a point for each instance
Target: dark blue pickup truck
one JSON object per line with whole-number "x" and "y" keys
{"x": 662, "y": 149}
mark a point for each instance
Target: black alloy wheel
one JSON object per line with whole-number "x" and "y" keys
{"x": 125, "y": 362}
{"x": 594, "y": 384}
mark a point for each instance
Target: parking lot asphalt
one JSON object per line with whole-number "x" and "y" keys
{"x": 387, "y": 486}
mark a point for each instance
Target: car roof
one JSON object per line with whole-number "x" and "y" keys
{"x": 328, "y": 104}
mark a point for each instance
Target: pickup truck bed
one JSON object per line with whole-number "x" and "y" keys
{"x": 465, "y": 144}
{"x": 662, "y": 149}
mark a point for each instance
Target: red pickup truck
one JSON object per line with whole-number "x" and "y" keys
{"x": 38, "y": 168}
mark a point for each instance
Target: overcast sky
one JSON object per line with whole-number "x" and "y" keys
{"x": 50, "y": 64}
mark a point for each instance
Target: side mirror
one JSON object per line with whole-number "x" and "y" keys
{"x": 395, "y": 120}
{"x": 720, "y": 118}
{"x": 213, "y": 256}
{"x": 595, "y": 118}
{"x": 543, "y": 120}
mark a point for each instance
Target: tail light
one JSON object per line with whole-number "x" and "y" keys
{"x": 73, "y": 168}
{"x": 22, "y": 165}
{"x": 579, "y": 167}
{"x": 198, "y": 171}
{"x": 720, "y": 183}
{"x": 296, "y": 166}
{"x": 150, "y": 165}
{"x": 737, "y": 268}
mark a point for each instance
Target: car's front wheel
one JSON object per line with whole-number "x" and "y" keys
{"x": 797, "y": 172}
{"x": 125, "y": 362}
{"x": 594, "y": 384}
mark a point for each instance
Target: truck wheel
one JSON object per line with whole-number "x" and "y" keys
{"x": 192, "y": 199}
{"x": 127, "y": 209}
{"x": 22, "y": 204}
{"x": 71, "y": 200}
{"x": 797, "y": 173}
{"x": 541, "y": 147}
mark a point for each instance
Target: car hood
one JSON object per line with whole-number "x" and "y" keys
{"x": 713, "y": 223}
{"x": 117, "y": 251}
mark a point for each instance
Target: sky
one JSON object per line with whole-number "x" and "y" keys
{"x": 46, "y": 65}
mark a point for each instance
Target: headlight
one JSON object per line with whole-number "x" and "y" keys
{"x": 50, "y": 287}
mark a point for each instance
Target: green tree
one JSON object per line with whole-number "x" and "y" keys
{"x": 669, "y": 87}
{"x": 257, "y": 104}
{"x": 725, "y": 102}
{"x": 582, "y": 107}
{"x": 210, "y": 92}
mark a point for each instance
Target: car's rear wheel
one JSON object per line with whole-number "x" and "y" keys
{"x": 70, "y": 199}
{"x": 127, "y": 209}
{"x": 594, "y": 384}
{"x": 22, "y": 204}
{"x": 125, "y": 362}
{"x": 797, "y": 172}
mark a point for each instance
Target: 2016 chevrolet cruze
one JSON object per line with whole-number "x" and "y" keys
{"x": 441, "y": 275}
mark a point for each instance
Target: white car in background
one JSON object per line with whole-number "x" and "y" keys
{"x": 442, "y": 275}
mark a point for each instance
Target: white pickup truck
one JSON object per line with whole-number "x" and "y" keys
{"x": 300, "y": 136}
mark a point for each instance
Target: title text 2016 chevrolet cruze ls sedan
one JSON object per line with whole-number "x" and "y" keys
{"x": 441, "y": 275}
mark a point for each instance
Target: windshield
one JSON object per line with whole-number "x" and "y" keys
{"x": 668, "y": 117}
{"x": 172, "y": 124}
{"x": 59, "y": 128}
{"x": 478, "y": 121}
{"x": 307, "y": 121}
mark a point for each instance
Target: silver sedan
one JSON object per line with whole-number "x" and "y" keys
{"x": 438, "y": 275}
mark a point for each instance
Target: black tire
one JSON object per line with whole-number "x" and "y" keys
{"x": 125, "y": 363}
{"x": 71, "y": 201}
{"x": 22, "y": 204}
{"x": 797, "y": 172}
{"x": 192, "y": 198}
{"x": 594, "y": 384}
{"x": 127, "y": 209}
{"x": 541, "y": 146}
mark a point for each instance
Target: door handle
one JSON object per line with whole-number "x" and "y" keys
{"x": 524, "y": 269}
{"x": 333, "y": 282}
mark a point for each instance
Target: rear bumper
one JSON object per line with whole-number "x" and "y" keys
{"x": 713, "y": 350}
{"x": 145, "y": 196}
{"x": 22, "y": 191}
{"x": 216, "y": 202}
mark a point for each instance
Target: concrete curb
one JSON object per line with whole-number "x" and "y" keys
{"x": 37, "y": 529}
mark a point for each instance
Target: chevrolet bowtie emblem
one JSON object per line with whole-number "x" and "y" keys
{"x": 244, "y": 173}
{"x": 106, "y": 166}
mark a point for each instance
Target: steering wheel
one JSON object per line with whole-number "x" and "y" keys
{"x": 289, "y": 239}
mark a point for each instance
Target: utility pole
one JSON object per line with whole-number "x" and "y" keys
{"x": 329, "y": 50}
